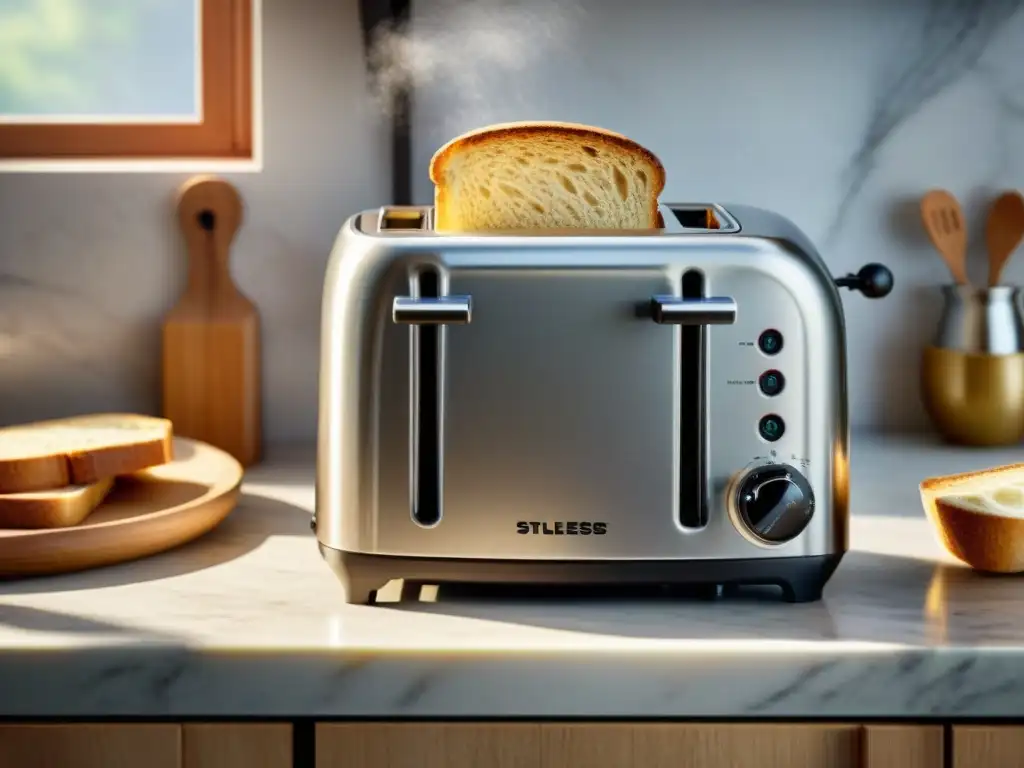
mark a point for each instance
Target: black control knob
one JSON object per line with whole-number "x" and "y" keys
{"x": 775, "y": 503}
{"x": 874, "y": 281}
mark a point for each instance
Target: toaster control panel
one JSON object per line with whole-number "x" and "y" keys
{"x": 773, "y": 504}
{"x": 771, "y": 382}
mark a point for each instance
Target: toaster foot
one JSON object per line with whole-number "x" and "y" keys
{"x": 359, "y": 589}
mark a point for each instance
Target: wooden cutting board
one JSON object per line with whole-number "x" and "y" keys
{"x": 146, "y": 513}
{"x": 211, "y": 338}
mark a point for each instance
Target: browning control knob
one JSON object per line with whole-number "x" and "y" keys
{"x": 775, "y": 503}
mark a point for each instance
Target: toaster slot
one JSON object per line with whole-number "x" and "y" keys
{"x": 692, "y": 485}
{"x": 426, "y": 407}
{"x": 402, "y": 218}
{"x": 695, "y": 218}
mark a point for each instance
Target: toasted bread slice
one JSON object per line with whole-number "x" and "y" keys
{"x": 979, "y": 516}
{"x": 545, "y": 175}
{"x": 61, "y": 508}
{"x": 81, "y": 450}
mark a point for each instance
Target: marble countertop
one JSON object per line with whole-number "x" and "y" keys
{"x": 249, "y": 621}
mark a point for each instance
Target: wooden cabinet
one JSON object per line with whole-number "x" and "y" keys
{"x": 428, "y": 745}
{"x": 146, "y": 746}
{"x": 977, "y": 746}
{"x": 902, "y": 746}
{"x": 625, "y": 745}
{"x": 91, "y": 746}
{"x": 511, "y": 745}
{"x": 236, "y": 745}
{"x": 671, "y": 745}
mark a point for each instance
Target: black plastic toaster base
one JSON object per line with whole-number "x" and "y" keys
{"x": 801, "y": 579}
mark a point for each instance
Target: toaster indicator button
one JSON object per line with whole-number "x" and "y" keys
{"x": 770, "y": 342}
{"x": 775, "y": 503}
{"x": 771, "y": 427}
{"x": 771, "y": 382}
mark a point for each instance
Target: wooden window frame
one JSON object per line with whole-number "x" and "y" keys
{"x": 226, "y": 128}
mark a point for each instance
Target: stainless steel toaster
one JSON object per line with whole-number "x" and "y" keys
{"x": 665, "y": 406}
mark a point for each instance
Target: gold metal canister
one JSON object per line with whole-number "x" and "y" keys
{"x": 974, "y": 399}
{"x": 972, "y": 376}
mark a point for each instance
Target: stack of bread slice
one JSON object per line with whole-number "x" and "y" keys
{"x": 53, "y": 474}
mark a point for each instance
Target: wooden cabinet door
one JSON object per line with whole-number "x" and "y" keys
{"x": 626, "y": 745}
{"x": 428, "y": 745}
{"x": 236, "y": 745}
{"x": 1000, "y": 746}
{"x": 90, "y": 746}
{"x": 671, "y": 745}
{"x": 902, "y": 746}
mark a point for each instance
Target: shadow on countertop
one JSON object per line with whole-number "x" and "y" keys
{"x": 872, "y": 598}
{"x": 253, "y": 520}
{"x": 22, "y": 617}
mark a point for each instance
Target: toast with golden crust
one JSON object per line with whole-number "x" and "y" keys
{"x": 979, "y": 516}
{"x": 545, "y": 175}
{"x": 60, "y": 508}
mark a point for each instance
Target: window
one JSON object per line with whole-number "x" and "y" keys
{"x": 126, "y": 79}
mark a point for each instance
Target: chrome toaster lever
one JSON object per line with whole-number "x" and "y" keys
{"x": 443, "y": 310}
{"x": 674, "y": 310}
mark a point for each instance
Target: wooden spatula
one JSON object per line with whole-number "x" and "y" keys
{"x": 944, "y": 222}
{"x": 211, "y": 338}
{"x": 1003, "y": 232}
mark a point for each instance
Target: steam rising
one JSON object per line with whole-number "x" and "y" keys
{"x": 478, "y": 51}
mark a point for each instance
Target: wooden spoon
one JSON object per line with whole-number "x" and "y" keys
{"x": 944, "y": 222}
{"x": 1003, "y": 232}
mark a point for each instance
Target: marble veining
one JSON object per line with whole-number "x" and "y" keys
{"x": 837, "y": 115}
{"x": 953, "y": 36}
{"x": 249, "y": 621}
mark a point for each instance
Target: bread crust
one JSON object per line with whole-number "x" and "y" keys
{"x": 88, "y": 465}
{"x": 553, "y": 129}
{"x": 52, "y": 509}
{"x": 986, "y": 542}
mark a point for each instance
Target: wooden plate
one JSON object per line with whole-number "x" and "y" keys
{"x": 146, "y": 513}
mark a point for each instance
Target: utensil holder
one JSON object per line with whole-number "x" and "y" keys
{"x": 981, "y": 320}
{"x": 972, "y": 375}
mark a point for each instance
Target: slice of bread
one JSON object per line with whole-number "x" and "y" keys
{"x": 48, "y": 455}
{"x": 544, "y": 175}
{"x": 61, "y": 508}
{"x": 979, "y": 516}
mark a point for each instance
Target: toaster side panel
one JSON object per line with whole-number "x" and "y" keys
{"x": 363, "y": 437}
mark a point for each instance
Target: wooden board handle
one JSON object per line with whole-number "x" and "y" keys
{"x": 210, "y": 212}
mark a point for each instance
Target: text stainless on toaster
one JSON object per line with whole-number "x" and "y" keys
{"x": 664, "y": 406}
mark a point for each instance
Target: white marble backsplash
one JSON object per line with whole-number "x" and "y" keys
{"x": 836, "y": 114}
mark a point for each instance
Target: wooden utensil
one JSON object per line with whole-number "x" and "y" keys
{"x": 146, "y": 513}
{"x": 944, "y": 222}
{"x": 1003, "y": 232}
{"x": 211, "y": 339}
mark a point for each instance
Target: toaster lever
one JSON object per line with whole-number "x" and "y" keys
{"x": 674, "y": 310}
{"x": 443, "y": 310}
